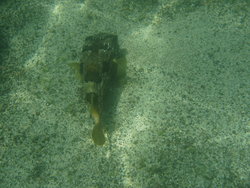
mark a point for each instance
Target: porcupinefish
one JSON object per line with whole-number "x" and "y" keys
{"x": 99, "y": 65}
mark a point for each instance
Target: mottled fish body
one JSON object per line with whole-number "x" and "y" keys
{"x": 98, "y": 67}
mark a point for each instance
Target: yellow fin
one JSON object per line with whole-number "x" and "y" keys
{"x": 98, "y": 135}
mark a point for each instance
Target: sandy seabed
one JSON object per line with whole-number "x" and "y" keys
{"x": 181, "y": 118}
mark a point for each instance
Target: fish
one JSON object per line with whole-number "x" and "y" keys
{"x": 99, "y": 66}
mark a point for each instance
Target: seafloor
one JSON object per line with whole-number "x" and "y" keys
{"x": 180, "y": 119}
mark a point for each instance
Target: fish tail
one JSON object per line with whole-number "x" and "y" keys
{"x": 98, "y": 135}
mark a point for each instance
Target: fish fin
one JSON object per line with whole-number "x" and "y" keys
{"x": 98, "y": 135}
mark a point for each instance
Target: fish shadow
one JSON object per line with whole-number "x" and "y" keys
{"x": 112, "y": 96}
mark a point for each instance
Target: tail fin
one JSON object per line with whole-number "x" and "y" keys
{"x": 98, "y": 135}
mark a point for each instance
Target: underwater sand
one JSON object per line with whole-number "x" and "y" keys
{"x": 181, "y": 119}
